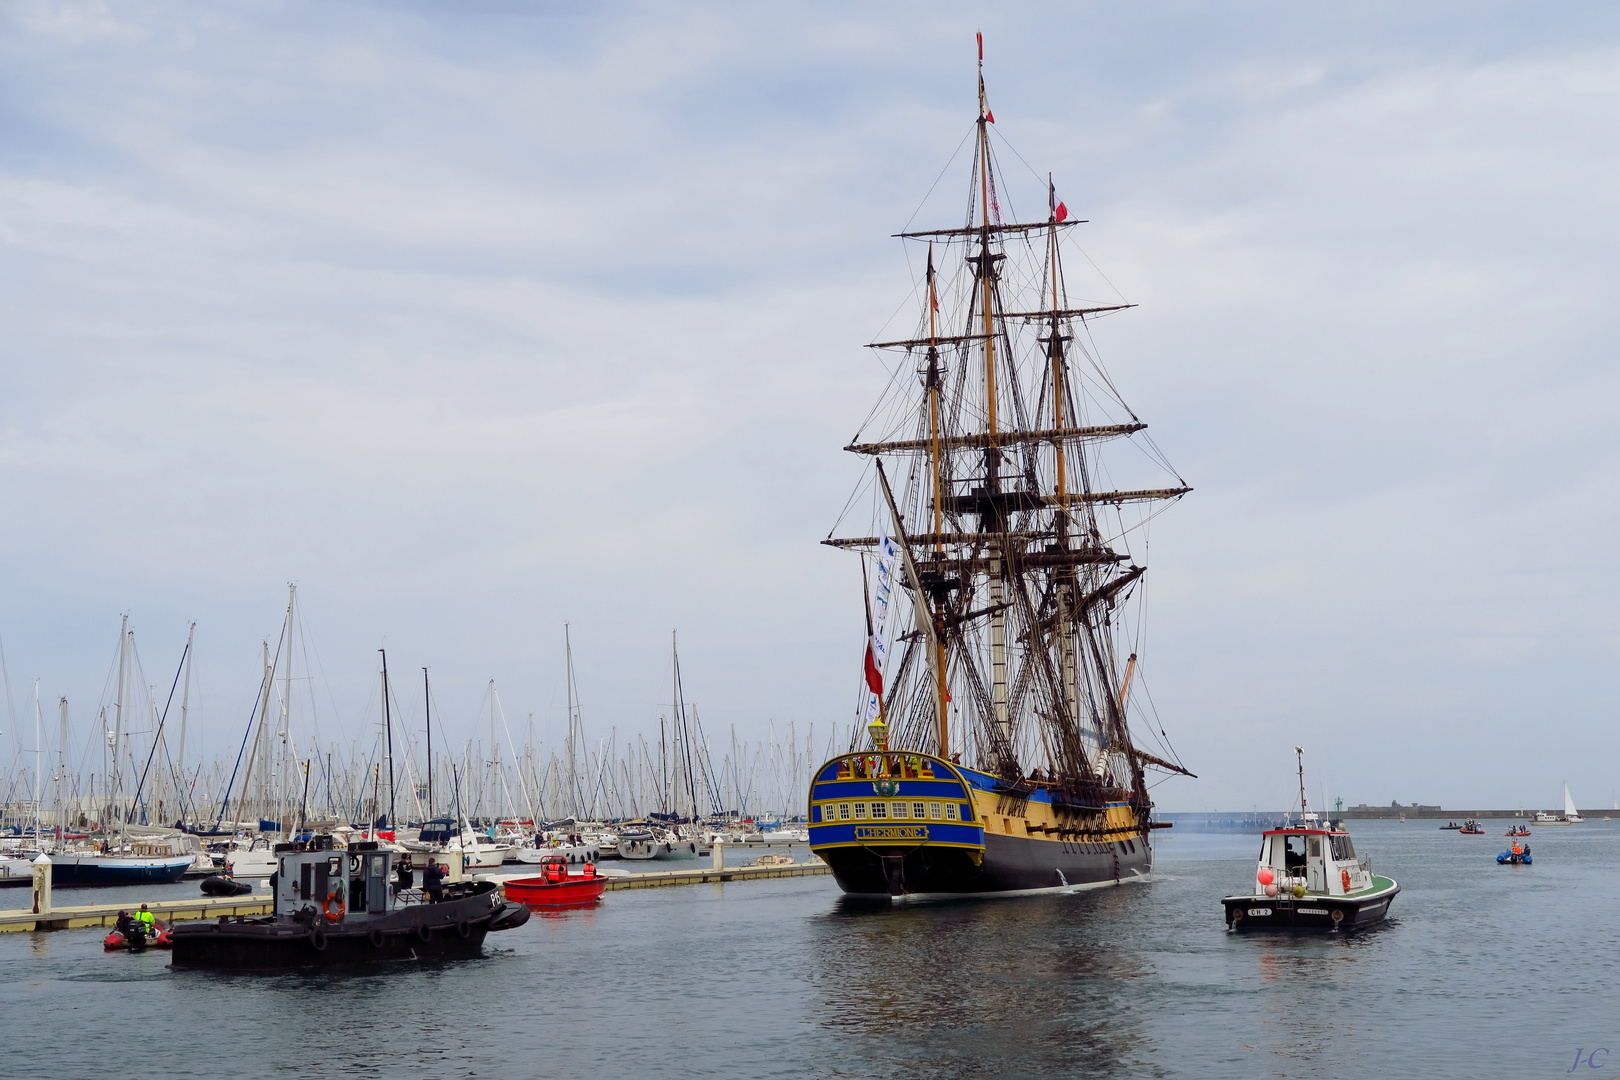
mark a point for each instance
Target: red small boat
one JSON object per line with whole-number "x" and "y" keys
{"x": 555, "y": 887}
{"x": 116, "y": 941}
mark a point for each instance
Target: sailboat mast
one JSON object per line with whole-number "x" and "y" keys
{"x": 286, "y": 702}
{"x": 427, "y": 709}
{"x": 117, "y": 740}
{"x": 388, "y": 724}
{"x": 576, "y": 801}
{"x": 925, "y": 608}
{"x": 185, "y": 712}
{"x": 996, "y": 520}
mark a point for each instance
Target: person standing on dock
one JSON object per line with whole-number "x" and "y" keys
{"x": 433, "y": 881}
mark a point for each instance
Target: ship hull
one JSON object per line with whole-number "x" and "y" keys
{"x": 70, "y": 870}
{"x": 451, "y": 930}
{"x": 1008, "y": 865}
{"x": 911, "y": 825}
{"x": 1313, "y": 911}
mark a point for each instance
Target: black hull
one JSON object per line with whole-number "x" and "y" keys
{"x": 453, "y": 930}
{"x": 65, "y": 873}
{"x": 1316, "y": 913}
{"x": 1010, "y": 864}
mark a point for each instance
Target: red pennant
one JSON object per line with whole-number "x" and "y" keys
{"x": 874, "y": 678}
{"x": 1060, "y": 213}
{"x": 980, "y": 36}
{"x": 989, "y": 116}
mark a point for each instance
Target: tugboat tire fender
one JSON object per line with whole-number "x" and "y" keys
{"x": 317, "y": 939}
{"x": 424, "y": 932}
{"x": 464, "y": 928}
{"x": 376, "y": 938}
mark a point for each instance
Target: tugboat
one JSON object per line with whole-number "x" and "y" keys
{"x": 333, "y": 906}
{"x": 555, "y": 887}
{"x": 1309, "y": 878}
{"x": 1471, "y": 828}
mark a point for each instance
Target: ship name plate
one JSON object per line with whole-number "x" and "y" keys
{"x": 891, "y": 832}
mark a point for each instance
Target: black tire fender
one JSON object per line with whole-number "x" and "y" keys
{"x": 424, "y": 932}
{"x": 376, "y": 938}
{"x": 317, "y": 939}
{"x": 464, "y": 928}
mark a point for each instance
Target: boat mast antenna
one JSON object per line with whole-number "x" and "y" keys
{"x": 1299, "y": 753}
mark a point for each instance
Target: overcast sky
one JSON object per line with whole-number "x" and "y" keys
{"x": 474, "y": 320}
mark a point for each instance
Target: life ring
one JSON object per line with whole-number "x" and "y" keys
{"x": 464, "y": 928}
{"x": 376, "y": 937}
{"x": 326, "y": 907}
{"x": 424, "y": 932}
{"x": 1344, "y": 876}
{"x": 317, "y": 939}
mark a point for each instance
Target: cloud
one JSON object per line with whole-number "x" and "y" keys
{"x": 476, "y": 323}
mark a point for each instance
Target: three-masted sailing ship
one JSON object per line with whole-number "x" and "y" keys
{"x": 1001, "y": 756}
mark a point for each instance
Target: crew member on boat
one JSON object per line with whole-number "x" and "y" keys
{"x": 404, "y": 874}
{"x": 131, "y": 930}
{"x": 147, "y": 921}
{"x": 433, "y": 881}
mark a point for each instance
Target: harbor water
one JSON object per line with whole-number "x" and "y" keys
{"x": 1482, "y": 971}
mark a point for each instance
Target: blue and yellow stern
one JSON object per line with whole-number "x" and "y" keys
{"x": 895, "y": 824}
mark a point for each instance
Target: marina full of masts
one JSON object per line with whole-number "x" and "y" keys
{"x": 128, "y": 776}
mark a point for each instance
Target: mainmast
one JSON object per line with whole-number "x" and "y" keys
{"x": 994, "y": 522}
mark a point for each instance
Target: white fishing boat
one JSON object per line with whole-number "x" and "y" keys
{"x": 1570, "y": 816}
{"x": 1310, "y": 878}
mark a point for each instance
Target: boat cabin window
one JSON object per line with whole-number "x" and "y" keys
{"x": 1313, "y": 846}
{"x": 950, "y": 811}
{"x": 437, "y": 832}
{"x": 843, "y": 811}
{"x": 935, "y": 810}
{"x": 1294, "y": 852}
{"x": 917, "y": 810}
{"x": 880, "y": 810}
{"x": 860, "y": 811}
{"x": 1342, "y": 849}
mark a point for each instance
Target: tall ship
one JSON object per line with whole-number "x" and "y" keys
{"x": 995, "y": 752}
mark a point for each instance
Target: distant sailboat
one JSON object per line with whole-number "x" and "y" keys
{"x": 1570, "y": 816}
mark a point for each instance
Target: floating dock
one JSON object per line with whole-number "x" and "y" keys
{"x": 657, "y": 879}
{"x": 74, "y": 918}
{"x": 212, "y": 907}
